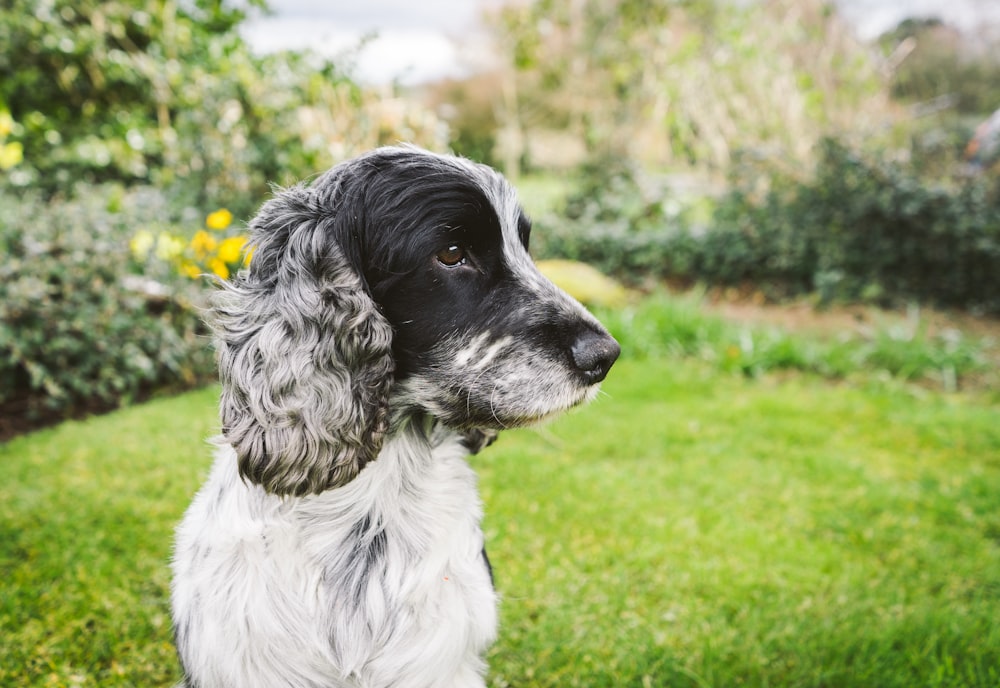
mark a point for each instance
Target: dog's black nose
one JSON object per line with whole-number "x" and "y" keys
{"x": 593, "y": 355}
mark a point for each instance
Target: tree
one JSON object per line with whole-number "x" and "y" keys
{"x": 936, "y": 60}
{"x": 688, "y": 82}
{"x": 166, "y": 92}
{"x": 95, "y": 84}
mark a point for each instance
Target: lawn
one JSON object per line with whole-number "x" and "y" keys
{"x": 693, "y": 527}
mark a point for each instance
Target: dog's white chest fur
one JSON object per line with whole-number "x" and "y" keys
{"x": 382, "y": 582}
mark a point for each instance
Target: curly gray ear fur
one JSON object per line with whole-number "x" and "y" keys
{"x": 305, "y": 356}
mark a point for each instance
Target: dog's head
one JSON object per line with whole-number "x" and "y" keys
{"x": 397, "y": 281}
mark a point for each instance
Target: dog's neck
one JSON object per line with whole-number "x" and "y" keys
{"x": 416, "y": 469}
{"x": 422, "y": 425}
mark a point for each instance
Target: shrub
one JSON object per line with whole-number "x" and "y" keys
{"x": 615, "y": 223}
{"x": 169, "y": 94}
{"x": 868, "y": 228}
{"x": 860, "y": 228}
{"x": 79, "y": 325}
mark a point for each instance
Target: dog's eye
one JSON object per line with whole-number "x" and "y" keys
{"x": 452, "y": 256}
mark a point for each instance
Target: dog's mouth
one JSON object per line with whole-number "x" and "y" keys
{"x": 542, "y": 415}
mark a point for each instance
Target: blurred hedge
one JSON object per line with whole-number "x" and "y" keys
{"x": 170, "y": 95}
{"x": 861, "y": 227}
{"x": 79, "y": 326}
{"x": 101, "y": 101}
{"x": 867, "y": 228}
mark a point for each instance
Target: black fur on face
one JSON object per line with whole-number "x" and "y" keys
{"x": 444, "y": 251}
{"x": 447, "y": 277}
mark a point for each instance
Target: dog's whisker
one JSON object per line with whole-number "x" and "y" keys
{"x": 472, "y": 388}
{"x": 493, "y": 412}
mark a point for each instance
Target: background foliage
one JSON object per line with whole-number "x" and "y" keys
{"x": 763, "y": 144}
{"x": 936, "y": 60}
{"x": 122, "y": 126}
{"x": 79, "y": 331}
{"x": 97, "y": 87}
{"x": 168, "y": 93}
{"x": 701, "y": 141}
{"x": 690, "y": 83}
{"x": 862, "y": 227}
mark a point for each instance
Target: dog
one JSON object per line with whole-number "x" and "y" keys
{"x": 390, "y": 324}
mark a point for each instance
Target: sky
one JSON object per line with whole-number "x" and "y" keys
{"x": 413, "y": 42}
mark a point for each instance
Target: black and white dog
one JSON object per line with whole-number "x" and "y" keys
{"x": 390, "y": 323}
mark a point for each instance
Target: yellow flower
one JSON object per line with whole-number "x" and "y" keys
{"x": 219, "y": 268}
{"x": 142, "y": 244}
{"x": 230, "y": 249}
{"x": 203, "y": 243}
{"x": 219, "y": 220}
{"x": 6, "y": 123}
{"x": 191, "y": 270}
{"x": 248, "y": 255}
{"x": 168, "y": 247}
{"x": 10, "y": 154}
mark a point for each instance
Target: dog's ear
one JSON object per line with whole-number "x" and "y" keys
{"x": 305, "y": 356}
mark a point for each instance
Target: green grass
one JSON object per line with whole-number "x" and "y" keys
{"x": 697, "y": 529}
{"x": 87, "y": 512}
{"x": 665, "y": 324}
{"x": 693, "y": 527}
